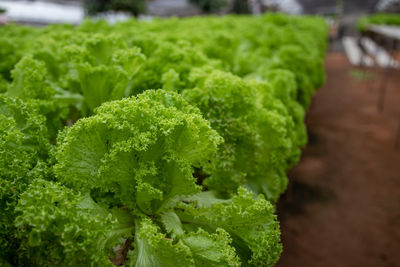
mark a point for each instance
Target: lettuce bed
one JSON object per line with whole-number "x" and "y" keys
{"x": 378, "y": 19}
{"x": 162, "y": 143}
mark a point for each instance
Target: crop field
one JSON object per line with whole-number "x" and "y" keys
{"x": 152, "y": 143}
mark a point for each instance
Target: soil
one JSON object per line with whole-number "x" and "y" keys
{"x": 342, "y": 207}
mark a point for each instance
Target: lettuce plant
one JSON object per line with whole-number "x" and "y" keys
{"x": 255, "y": 127}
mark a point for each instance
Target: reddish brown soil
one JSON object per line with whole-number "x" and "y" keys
{"x": 342, "y": 207}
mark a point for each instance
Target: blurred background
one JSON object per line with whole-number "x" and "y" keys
{"x": 342, "y": 206}
{"x": 73, "y": 11}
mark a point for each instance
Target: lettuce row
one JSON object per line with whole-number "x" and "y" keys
{"x": 378, "y": 19}
{"x": 177, "y": 176}
{"x": 163, "y": 54}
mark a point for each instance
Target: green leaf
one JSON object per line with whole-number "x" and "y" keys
{"x": 249, "y": 221}
{"x": 153, "y": 248}
{"x": 211, "y": 249}
{"x": 172, "y": 223}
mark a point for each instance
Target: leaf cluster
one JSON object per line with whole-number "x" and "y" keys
{"x": 162, "y": 143}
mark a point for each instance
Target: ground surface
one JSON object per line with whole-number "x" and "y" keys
{"x": 343, "y": 205}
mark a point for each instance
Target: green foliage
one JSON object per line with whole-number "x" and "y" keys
{"x": 30, "y": 83}
{"x": 139, "y": 153}
{"x": 3, "y": 85}
{"x": 57, "y": 231}
{"x": 139, "y": 149}
{"x": 378, "y": 19}
{"x": 249, "y": 222}
{"x": 23, "y": 150}
{"x": 255, "y": 127}
{"x": 103, "y": 67}
{"x": 162, "y": 143}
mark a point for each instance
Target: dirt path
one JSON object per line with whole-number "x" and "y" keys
{"x": 343, "y": 206}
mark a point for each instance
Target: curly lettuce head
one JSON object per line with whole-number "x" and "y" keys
{"x": 140, "y": 151}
